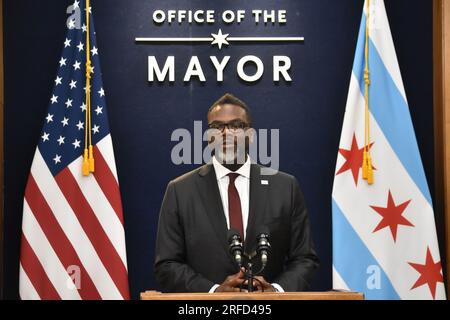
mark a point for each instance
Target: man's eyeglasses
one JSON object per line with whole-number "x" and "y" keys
{"x": 233, "y": 125}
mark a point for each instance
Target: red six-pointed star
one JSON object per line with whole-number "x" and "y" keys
{"x": 430, "y": 273}
{"x": 392, "y": 216}
{"x": 353, "y": 159}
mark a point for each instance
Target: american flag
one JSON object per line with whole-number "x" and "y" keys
{"x": 73, "y": 241}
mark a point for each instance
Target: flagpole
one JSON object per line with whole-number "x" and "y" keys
{"x": 441, "y": 84}
{"x": 88, "y": 165}
{"x": 1, "y": 149}
{"x": 367, "y": 170}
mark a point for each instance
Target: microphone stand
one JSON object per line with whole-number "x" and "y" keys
{"x": 249, "y": 275}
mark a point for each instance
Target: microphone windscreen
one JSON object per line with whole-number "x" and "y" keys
{"x": 231, "y": 233}
{"x": 262, "y": 230}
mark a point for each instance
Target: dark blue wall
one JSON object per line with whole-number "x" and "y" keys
{"x": 308, "y": 112}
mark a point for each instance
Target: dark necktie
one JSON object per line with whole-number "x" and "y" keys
{"x": 234, "y": 205}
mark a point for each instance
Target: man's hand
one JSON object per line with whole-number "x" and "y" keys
{"x": 232, "y": 283}
{"x": 262, "y": 285}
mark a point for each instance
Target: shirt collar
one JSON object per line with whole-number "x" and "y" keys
{"x": 222, "y": 171}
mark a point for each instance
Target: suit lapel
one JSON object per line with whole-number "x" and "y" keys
{"x": 258, "y": 197}
{"x": 210, "y": 195}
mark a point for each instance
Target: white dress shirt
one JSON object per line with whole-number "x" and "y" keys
{"x": 242, "y": 184}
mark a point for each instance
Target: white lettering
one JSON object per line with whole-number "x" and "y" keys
{"x": 254, "y": 72}
{"x": 281, "y": 64}
{"x": 269, "y": 17}
{"x": 257, "y": 14}
{"x": 220, "y": 66}
{"x": 190, "y": 310}
{"x": 159, "y": 16}
{"x": 228, "y": 16}
{"x": 194, "y": 69}
{"x": 240, "y": 16}
{"x": 273, "y": 16}
{"x": 259, "y": 68}
{"x": 282, "y": 16}
{"x": 153, "y": 68}
{"x": 180, "y": 16}
{"x": 171, "y": 15}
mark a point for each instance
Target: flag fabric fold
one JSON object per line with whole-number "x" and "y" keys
{"x": 73, "y": 240}
{"x": 384, "y": 234}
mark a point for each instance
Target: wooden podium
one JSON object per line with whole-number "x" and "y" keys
{"x": 328, "y": 295}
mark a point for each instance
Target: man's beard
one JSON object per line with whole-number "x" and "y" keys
{"x": 236, "y": 154}
{"x": 231, "y": 155}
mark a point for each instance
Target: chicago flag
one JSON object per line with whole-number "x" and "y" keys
{"x": 384, "y": 234}
{"x": 73, "y": 240}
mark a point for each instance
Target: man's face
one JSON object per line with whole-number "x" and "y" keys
{"x": 228, "y": 124}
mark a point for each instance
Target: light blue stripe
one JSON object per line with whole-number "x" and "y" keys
{"x": 351, "y": 258}
{"x": 391, "y": 111}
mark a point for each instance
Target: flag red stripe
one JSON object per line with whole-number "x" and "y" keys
{"x": 108, "y": 183}
{"x": 94, "y": 231}
{"x": 36, "y": 273}
{"x": 57, "y": 238}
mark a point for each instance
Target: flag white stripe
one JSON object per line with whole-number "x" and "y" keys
{"x": 73, "y": 230}
{"x": 47, "y": 256}
{"x": 338, "y": 282}
{"x": 102, "y": 208}
{"x": 106, "y": 148}
{"x": 354, "y": 118}
{"x": 26, "y": 288}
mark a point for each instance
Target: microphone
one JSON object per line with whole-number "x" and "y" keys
{"x": 235, "y": 247}
{"x": 263, "y": 245}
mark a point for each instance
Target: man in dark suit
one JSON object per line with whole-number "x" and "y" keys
{"x": 199, "y": 207}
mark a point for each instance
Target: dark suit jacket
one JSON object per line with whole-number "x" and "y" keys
{"x": 192, "y": 246}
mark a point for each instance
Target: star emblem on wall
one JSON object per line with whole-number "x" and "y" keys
{"x": 219, "y": 38}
